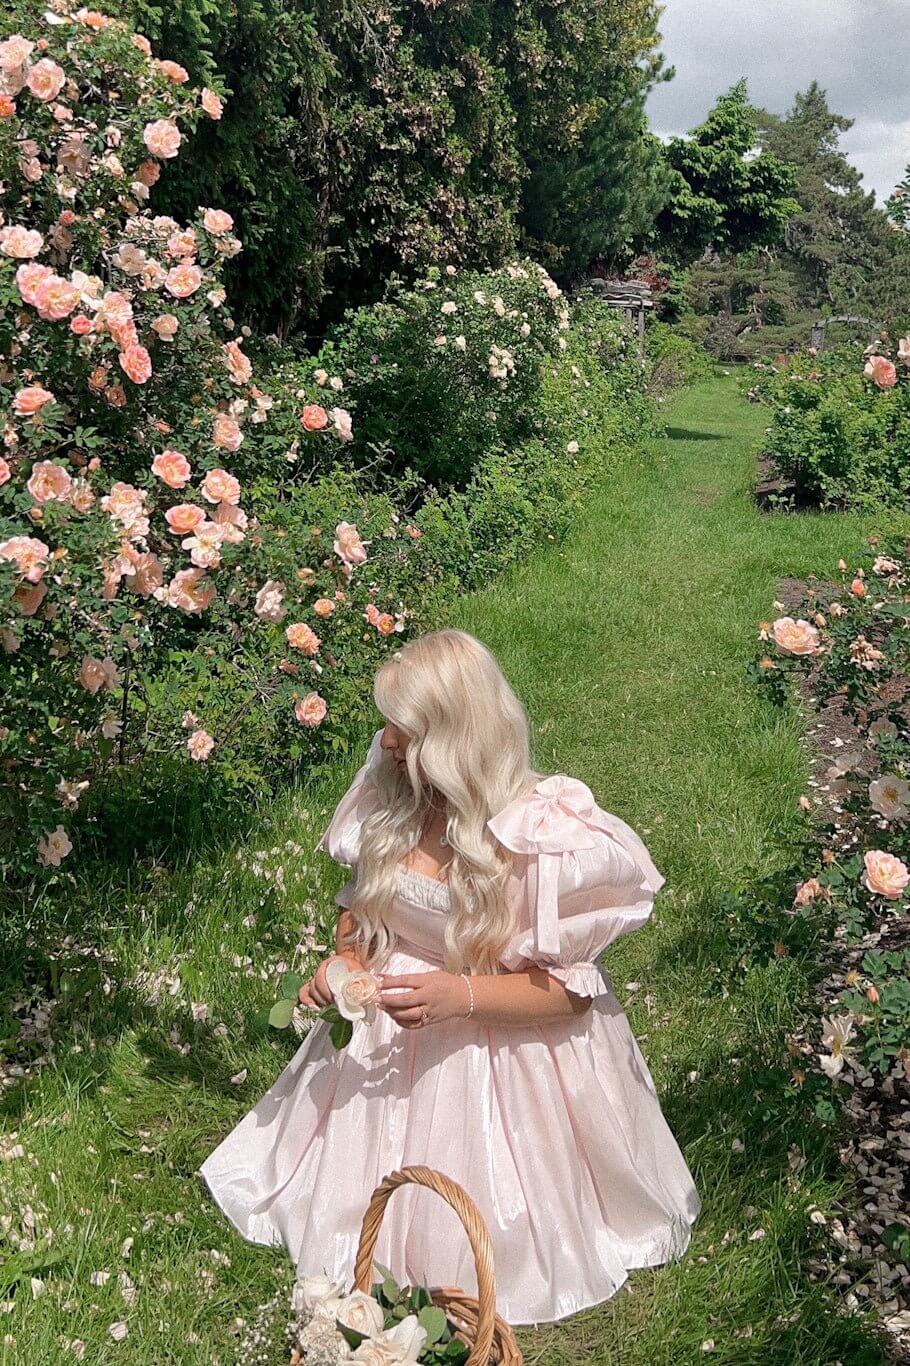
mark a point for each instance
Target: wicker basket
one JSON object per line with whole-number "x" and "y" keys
{"x": 479, "y": 1326}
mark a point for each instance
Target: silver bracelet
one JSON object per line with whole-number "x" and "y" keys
{"x": 471, "y": 994}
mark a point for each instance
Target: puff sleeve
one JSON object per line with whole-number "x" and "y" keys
{"x": 584, "y": 879}
{"x": 341, "y": 837}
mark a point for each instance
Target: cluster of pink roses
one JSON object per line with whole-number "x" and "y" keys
{"x": 883, "y": 371}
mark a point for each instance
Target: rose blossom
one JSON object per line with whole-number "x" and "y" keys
{"x": 172, "y": 469}
{"x": 147, "y": 575}
{"x": 54, "y": 847}
{"x": 398, "y": 1346}
{"x": 211, "y": 103}
{"x": 165, "y": 325}
{"x": 889, "y": 796}
{"x": 311, "y": 710}
{"x": 341, "y": 420}
{"x": 313, "y": 418}
{"x": 189, "y": 590}
{"x": 91, "y": 675}
{"x": 28, "y": 598}
{"x": 80, "y": 326}
{"x": 20, "y": 243}
{"x": 239, "y": 366}
{"x": 126, "y": 505}
{"x": 200, "y": 745}
{"x": 173, "y": 71}
{"x": 233, "y": 522}
{"x": 882, "y": 371}
{"x": 183, "y": 280}
{"x": 182, "y": 245}
{"x": 362, "y": 1313}
{"x": 184, "y": 518}
{"x": 45, "y": 80}
{"x": 30, "y": 556}
{"x": 885, "y": 874}
{"x": 15, "y": 52}
{"x": 226, "y": 433}
{"x": 270, "y": 601}
{"x": 205, "y": 545}
{"x": 162, "y": 138}
{"x": 323, "y": 607}
{"x": 347, "y": 544}
{"x": 29, "y": 277}
{"x": 31, "y": 400}
{"x": 217, "y": 222}
{"x": 55, "y": 298}
{"x": 220, "y": 487}
{"x": 5, "y": 472}
{"x": 302, "y": 637}
{"x": 136, "y": 363}
{"x": 49, "y": 482}
{"x": 796, "y": 637}
{"x": 385, "y": 624}
{"x": 903, "y": 350}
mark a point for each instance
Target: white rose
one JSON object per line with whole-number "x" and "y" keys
{"x": 362, "y": 1313}
{"x": 355, "y": 993}
{"x": 309, "y": 1291}
{"x": 398, "y": 1346}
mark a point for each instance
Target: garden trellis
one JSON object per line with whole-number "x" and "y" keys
{"x": 632, "y": 296}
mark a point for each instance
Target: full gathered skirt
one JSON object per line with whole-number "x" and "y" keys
{"x": 555, "y": 1130}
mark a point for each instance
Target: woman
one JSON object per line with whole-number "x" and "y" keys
{"x": 483, "y": 893}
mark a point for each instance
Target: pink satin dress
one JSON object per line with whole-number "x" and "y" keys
{"x": 555, "y": 1130}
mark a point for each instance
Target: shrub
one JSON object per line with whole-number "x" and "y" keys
{"x": 674, "y": 359}
{"x": 840, "y": 425}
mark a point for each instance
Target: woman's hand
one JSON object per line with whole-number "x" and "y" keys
{"x": 315, "y": 993}
{"x": 438, "y": 996}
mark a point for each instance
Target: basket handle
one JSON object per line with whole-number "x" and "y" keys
{"x": 478, "y": 1236}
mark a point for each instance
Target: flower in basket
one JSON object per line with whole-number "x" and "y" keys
{"x": 392, "y": 1327}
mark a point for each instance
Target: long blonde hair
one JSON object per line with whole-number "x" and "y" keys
{"x": 470, "y": 739}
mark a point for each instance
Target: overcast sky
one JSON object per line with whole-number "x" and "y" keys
{"x": 858, "y": 50}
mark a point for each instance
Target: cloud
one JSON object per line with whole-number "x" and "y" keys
{"x": 858, "y": 50}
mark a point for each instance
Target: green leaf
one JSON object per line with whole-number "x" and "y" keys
{"x": 280, "y": 1014}
{"x": 433, "y": 1320}
{"x": 391, "y": 1290}
{"x": 350, "y": 1335}
{"x": 291, "y": 983}
{"x": 341, "y": 1033}
{"x": 384, "y": 1271}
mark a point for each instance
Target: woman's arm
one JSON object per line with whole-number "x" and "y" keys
{"x": 508, "y": 998}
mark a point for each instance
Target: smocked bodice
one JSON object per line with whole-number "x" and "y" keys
{"x": 418, "y": 913}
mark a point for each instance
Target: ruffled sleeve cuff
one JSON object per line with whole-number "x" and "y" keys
{"x": 582, "y": 979}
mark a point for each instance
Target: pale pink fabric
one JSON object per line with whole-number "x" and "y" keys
{"x": 554, "y": 1129}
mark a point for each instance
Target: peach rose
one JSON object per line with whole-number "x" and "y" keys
{"x": 5, "y": 472}
{"x": 882, "y": 371}
{"x": 190, "y": 590}
{"x": 54, "y": 847}
{"x": 21, "y": 243}
{"x": 15, "y": 52}
{"x": 165, "y": 326}
{"x": 233, "y": 522}
{"x": 184, "y": 518}
{"x": 226, "y": 433}
{"x": 80, "y": 326}
{"x": 356, "y": 994}
{"x": 28, "y": 554}
{"x": 239, "y": 366}
{"x": 29, "y": 597}
{"x": 385, "y": 624}
{"x": 217, "y": 222}
{"x": 311, "y": 710}
{"x": 796, "y": 637}
{"x": 183, "y": 244}
{"x": 885, "y": 874}
{"x": 173, "y": 71}
{"x": 147, "y": 575}
{"x": 183, "y": 280}
{"x": 890, "y": 797}
{"x": 269, "y": 601}
{"x": 45, "y": 80}
{"x": 807, "y": 891}
{"x": 313, "y": 418}
{"x": 29, "y": 277}
{"x": 200, "y": 745}
{"x": 211, "y": 103}
{"x": 342, "y": 424}
{"x": 31, "y": 400}
{"x": 858, "y": 588}
{"x": 91, "y": 675}
{"x": 7, "y": 106}
{"x": 172, "y": 469}
{"x": 347, "y": 544}
{"x": 302, "y": 638}
{"x": 323, "y": 607}
{"x": 162, "y": 138}
{"x": 139, "y": 41}
{"x": 136, "y": 363}
{"x": 220, "y": 487}
{"x": 415, "y": 533}
{"x": 205, "y": 545}
{"x": 49, "y": 482}
{"x": 55, "y": 298}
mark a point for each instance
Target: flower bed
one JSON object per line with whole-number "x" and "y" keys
{"x": 847, "y": 645}
{"x": 839, "y": 433}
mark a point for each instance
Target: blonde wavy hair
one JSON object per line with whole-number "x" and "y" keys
{"x": 469, "y": 742}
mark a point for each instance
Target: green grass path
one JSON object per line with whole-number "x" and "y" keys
{"x": 628, "y": 643}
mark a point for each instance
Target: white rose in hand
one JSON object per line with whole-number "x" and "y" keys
{"x": 398, "y": 1346}
{"x": 355, "y": 993}
{"x": 361, "y": 1312}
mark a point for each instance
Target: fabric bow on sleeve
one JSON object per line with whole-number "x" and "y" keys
{"x": 559, "y": 816}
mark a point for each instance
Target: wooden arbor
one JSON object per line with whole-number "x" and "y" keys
{"x": 632, "y": 296}
{"x": 819, "y": 329}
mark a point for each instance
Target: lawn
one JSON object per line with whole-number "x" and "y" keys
{"x": 629, "y": 643}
